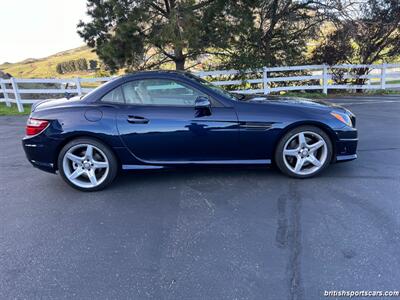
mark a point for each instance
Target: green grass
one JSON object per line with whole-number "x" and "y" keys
{"x": 13, "y": 110}
{"x": 393, "y": 82}
{"x": 387, "y": 82}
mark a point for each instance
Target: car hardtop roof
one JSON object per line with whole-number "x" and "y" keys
{"x": 157, "y": 72}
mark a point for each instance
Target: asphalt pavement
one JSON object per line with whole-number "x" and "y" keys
{"x": 219, "y": 233}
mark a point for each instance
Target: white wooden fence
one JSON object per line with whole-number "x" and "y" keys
{"x": 266, "y": 80}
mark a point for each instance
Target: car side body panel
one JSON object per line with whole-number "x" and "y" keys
{"x": 182, "y": 136}
{"x": 236, "y": 132}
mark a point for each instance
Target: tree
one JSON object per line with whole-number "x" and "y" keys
{"x": 370, "y": 34}
{"x": 147, "y": 34}
{"x": 92, "y": 64}
{"x": 72, "y": 66}
{"x": 278, "y": 31}
{"x": 81, "y": 64}
{"x": 59, "y": 69}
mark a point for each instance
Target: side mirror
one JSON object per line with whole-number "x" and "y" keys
{"x": 202, "y": 102}
{"x": 67, "y": 95}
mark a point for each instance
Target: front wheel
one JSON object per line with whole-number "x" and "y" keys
{"x": 87, "y": 165}
{"x": 304, "y": 152}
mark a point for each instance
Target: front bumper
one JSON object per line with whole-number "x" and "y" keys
{"x": 346, "y": 145}
{"x": 343, "y": 158}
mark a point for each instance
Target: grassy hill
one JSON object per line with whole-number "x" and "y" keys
{"x": 46, "y": 67}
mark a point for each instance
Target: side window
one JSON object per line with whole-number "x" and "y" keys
{"x": 114, "y": 96}
{"x": 160, "y": 92}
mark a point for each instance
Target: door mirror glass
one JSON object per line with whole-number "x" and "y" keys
{"x": 202, "y": 102}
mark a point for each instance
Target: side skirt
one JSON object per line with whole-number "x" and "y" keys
{"x": 163, "y": 164}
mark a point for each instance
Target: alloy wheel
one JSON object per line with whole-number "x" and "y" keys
{"x": 305, "y": 153}
{"x": 85, "y": 165}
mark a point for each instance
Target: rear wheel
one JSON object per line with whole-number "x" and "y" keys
{"x": 87, "y": 165}
{"x": 304, "y": 152}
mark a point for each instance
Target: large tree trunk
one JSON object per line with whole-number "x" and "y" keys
{"x": 179, "y": 59}
{"x": 361, "y": 81}
{"x": 180, "y": 64}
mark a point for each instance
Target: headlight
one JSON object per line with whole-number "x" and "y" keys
{"x": 344, "y": 118}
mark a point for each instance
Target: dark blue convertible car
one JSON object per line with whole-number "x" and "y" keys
{"x": 159, "y": 119}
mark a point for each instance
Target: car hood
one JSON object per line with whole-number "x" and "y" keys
{"x": 293, "y": 102}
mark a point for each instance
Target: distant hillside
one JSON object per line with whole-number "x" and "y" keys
{"x": 46, "y": 67}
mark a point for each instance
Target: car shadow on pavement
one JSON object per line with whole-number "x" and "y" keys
{"x": 192, "y": 173}
{"x": 229, "y": 175}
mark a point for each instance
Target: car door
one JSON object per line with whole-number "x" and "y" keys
{"x": 159, "y": 123}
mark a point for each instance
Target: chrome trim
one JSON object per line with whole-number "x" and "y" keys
{"x": 255, "y": 125}
{"x": 141, "y": 167}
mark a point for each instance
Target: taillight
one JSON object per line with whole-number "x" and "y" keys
{"x": 35, "y": 126}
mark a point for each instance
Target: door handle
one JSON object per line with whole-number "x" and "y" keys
{"x": 137, "y": 120}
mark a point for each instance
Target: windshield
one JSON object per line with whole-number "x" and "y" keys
{"x": 215, "y": 88}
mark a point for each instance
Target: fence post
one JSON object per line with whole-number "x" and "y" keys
{"x": 265, "y": 81}
{"x": 4, "y": 88}
{"x": 383, "y": 76}
{"x": 78, "y": 86}
{"x": 325, "y": 79}
{"x": 17, "y": 95}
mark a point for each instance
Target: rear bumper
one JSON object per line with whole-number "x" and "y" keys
{"x": 47, "y": 167}
{"x": 40, "y": 155}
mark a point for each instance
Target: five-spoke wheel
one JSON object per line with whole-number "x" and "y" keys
{"x": 303, "y": 152}
{"x": 87, "y": 164}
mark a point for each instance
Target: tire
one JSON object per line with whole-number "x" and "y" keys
{"x": 303, "y": 152}
{"x": 87, "y": 164}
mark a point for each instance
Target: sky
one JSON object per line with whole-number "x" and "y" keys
{"x": 39, "y": 28}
